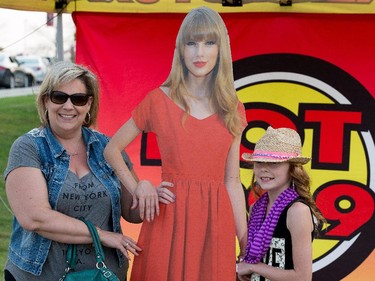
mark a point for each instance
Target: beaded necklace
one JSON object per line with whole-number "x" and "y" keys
{"x": 260, "y": 232}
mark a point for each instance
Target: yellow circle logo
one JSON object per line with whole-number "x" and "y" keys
{"x": 332, "y": 112}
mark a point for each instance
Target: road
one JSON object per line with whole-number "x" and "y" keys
{"x": 5, "y": 93}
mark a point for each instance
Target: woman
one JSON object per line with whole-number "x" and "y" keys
{"x": 281, "y": 225}
{"x": 57, "y": 174}
{"x": 198, "y": 121}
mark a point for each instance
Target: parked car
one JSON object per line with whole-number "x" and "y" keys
{"x": 37, "y": 64}
{"x": 50, "y": 60}
{"x": 13, "y": 74}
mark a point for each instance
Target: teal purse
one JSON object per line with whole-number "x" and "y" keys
{"x": 100, "y": 273}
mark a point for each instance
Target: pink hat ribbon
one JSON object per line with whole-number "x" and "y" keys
{"x": 273, "y": 155}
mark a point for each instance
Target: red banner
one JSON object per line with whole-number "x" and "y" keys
{"x": 310, "y": 72}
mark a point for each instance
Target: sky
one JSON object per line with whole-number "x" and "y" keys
{"x": 26, "y": 32}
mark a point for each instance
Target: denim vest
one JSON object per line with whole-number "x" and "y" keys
{"x": 28, "y": 250}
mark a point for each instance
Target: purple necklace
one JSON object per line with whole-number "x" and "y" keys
{"x": 260, "y": 232}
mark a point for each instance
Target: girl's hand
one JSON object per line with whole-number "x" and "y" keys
{"x": 146, "y": 198}
{"x": 165, "y": 195}
{"x": 243, "y": 271}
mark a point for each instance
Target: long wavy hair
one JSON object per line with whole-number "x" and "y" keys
{"x": 65, "y": 72}
{"x": 301, "y": 181}
{"x": 205, "y": 24}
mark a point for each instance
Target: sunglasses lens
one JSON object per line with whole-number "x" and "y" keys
{"x": 58, "y": 97}
{"x": 79, "y": 99}
{"x": 76, "y": 99}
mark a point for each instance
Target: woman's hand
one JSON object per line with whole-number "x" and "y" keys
{"x": 165, "y": 195}
{"x": 120, "y": 242}
{"x": 146, "y": 198}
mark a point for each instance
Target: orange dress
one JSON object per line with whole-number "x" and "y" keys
{"x": 194, "y": 238}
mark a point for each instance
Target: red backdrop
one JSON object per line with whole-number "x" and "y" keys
{"x": 331, "y": 58}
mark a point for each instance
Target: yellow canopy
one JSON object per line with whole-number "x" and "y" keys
{"x": 183, "y": 6}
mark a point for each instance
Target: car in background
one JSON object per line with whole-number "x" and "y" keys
{"x": 37, "y": 64}
{"x": 13, "y": 74}
{"x": 50, "y": 60}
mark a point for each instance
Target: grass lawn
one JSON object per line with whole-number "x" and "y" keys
{"x": 17, "y": 116}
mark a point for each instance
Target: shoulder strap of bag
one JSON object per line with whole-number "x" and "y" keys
{"x": 108, "y": 274}
{"x": 96, "y": 241}
{"x": 71, "y": 255}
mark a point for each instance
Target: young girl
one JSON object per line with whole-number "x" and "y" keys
{"x": 198, "y": 121}
{"x": 283, "y": 220}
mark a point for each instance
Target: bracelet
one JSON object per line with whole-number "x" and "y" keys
{"x": 98, "y": 230}
{"x": 240, "y": 259}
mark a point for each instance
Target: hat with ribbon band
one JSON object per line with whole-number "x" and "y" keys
{"x": 278, "y": 145}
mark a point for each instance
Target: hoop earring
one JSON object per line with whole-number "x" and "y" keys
{"x": 88, "y": 116}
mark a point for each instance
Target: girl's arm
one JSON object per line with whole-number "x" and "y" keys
{"x": 127, "y": 212}
{"x": 144, "y": 193}
{"x": 236, "y": 193}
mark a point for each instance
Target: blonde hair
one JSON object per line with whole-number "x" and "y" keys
{"x": 206, "y": 24}
{"x": 302, "y": 183}
{"x": 65, "y": 72}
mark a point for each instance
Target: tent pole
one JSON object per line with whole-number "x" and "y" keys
{"x": 59, "y": 38}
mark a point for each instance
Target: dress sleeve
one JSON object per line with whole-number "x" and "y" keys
{"x": 141, "y": 114}
{"x": 242, "y": 113}
{"x": 23, "y": 153}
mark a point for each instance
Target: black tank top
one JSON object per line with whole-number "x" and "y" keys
{"x": 280, "y": 251}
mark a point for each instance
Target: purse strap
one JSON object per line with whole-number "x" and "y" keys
{"x": 71, "y": 255}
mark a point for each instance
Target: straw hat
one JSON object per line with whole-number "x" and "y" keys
{"x": 278, "y": 145}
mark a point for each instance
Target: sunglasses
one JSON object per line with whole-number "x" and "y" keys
{"x": 76, "y": 99}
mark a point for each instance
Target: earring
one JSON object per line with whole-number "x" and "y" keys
{"x": 46, "y": 114}
{"x": 88, "y": 116}
{"x": 293, "y": 185}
